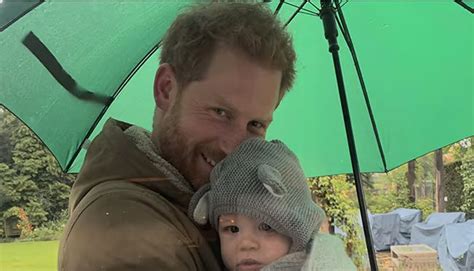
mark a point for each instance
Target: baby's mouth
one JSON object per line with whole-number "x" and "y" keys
{"x": 249, "y": 264}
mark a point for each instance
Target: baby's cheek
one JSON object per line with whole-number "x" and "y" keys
{"x": 228, "y": 253}
{"x": 280, "y": 246}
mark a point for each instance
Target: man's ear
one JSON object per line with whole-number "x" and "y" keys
{"x": 165, "y": 87}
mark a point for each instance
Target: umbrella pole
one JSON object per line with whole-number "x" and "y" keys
{"x": 330, "y": 32}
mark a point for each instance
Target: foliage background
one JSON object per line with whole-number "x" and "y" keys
{"x": 33, "y": 188}
{"x": 390, "y": 191}
{"x": 30, "y": 177}
{"x": 336, "y": 195}
{"x": 386, "y": 192}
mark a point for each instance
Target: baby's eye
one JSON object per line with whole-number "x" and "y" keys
{"x": 232, "y": 229}
{"x": 265, "y": 227}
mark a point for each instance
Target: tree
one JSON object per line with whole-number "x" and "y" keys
{"x": 460, "y": 180}
{"x": 7, "y": 124}
{"x": 411, "y": 177}
{"x": 6, "y": 196}
{"x": 454, "y": 187}
{"x": 440, "y": 186}
{"x": 467, "y": 172}
{"x": 335, "y": 195}
{"x": 30, "y": 177}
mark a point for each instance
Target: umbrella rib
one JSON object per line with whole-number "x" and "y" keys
{"x": 303, "y": 9}
{"x": 31, "y": 130}
{"x": 278, "y": 7}
{"x": 347, "y": 38}
{"x": 308, "y": 13}
{"x": 136, "y": 68}
{"x": 464, "y": 5}
{"x": 319, "y": 10}
{"x": 343, "y": 4}
{"x": 21, "y": 15}
{"x": 117, "y": 92}
{"x": 296, "y": 12}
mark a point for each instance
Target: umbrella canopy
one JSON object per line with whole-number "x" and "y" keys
{"x": 98, "y": 44}
{"x": 67, "y": 66}
{"x": 418, "y": 70}
{"x": 417, "y": 59}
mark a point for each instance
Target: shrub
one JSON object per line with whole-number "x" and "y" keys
{"x": 466, "y": 170}
{"x": 51, "y": 230}
{"x": 336, "y": 195}
{"x": 426, "y": 205}
{"x": 24, "y": 224}
{"x": 454, "y": 186}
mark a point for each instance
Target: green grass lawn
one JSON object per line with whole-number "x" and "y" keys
{"x": 29, "y": 256}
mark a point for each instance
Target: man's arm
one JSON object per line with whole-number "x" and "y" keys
{"x": 118, "y": 233}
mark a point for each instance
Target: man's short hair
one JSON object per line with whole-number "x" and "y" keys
{"x": 250, "y": 28}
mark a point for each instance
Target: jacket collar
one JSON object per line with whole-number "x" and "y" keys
{"x": 112, "y": 155}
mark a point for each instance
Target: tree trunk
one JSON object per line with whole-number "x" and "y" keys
{"x": 440, "y": 176}
{"x": 411, "y": 176}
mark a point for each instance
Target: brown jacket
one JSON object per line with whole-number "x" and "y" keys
{"x": 125, "y": 215}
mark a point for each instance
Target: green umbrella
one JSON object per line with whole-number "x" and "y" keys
{"x": 383, "y": 124}
{"x": 417, "y": 59}
{"x": 54, "y": 54}
{"x": 64, "y": 62}
{"x": 419, "y": 73}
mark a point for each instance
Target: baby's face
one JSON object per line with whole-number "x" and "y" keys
{"x": 249, "y": 245}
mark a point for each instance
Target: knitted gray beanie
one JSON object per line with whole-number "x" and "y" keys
{"x": 262, "y": 180}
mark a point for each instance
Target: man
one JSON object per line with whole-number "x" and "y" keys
{"x": 224, "y": 69}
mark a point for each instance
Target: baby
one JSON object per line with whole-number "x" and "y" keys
{"x": 260, "y": 203}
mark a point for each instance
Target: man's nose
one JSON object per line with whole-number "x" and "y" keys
{"x": 233, "y": 137}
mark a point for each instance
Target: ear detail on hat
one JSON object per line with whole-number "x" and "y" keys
{"x": 201, "y": 212}
{"x": 271, "y": 180}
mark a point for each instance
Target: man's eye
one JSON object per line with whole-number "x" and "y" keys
{"x": 220, "y": 112}
{"x": 232, "y": 229}
{"x": 265, "y": 227}
{"x": 257, "y": 124}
